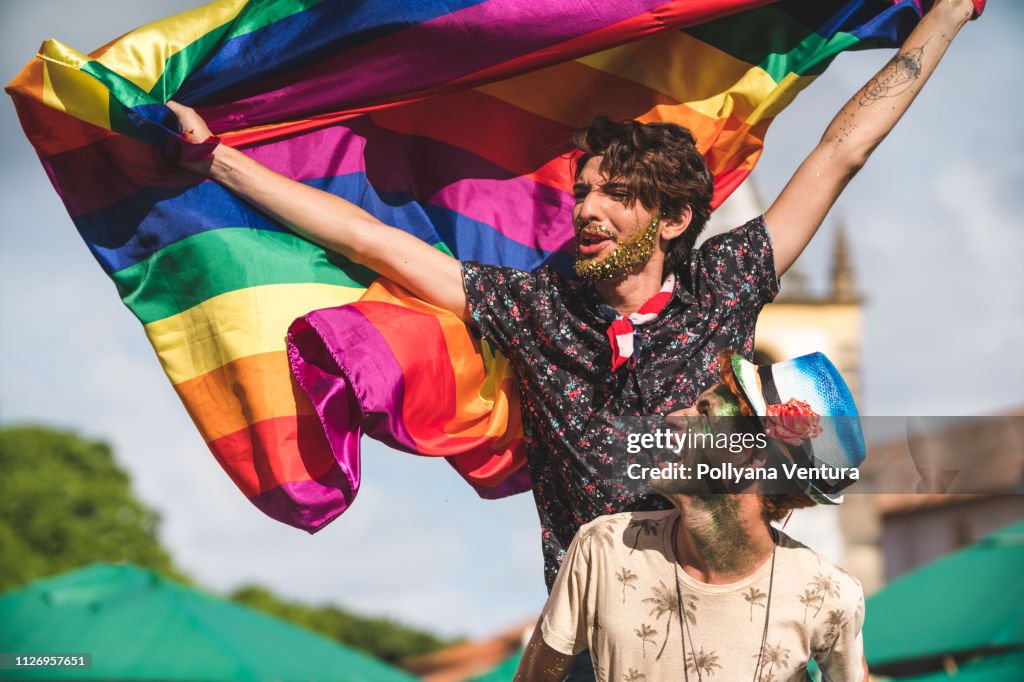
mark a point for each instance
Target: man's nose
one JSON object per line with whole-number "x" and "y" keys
{"x": 590, "y": 209}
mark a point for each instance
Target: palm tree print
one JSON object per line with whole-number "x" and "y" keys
{"x": 643, "y": 527}
{"x": 646, "y": 634}
{"x": 754, "y": 597}
{"x": 773, "y": 656}
{"x": 690, "y": 608}
{"x": 664, "y": 602}
{"x": 634, "y": 676}
{"x": 825, "y": 587}
{"x": 836, "y": 624}
{"x": 703, "y": 662}
{"x": 627, "y": 578}
{"x": 604, "y": 534}
{"x": 807, "y": 598}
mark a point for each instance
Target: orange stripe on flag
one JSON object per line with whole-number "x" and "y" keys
{"x": 248, "y": 390}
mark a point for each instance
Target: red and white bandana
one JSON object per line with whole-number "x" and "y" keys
{"x": 620, "y": 332}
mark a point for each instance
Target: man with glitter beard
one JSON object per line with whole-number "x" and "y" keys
{"x": 639, "y": 331}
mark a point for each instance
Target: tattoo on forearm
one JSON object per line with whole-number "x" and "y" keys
{"x": 895, "y": 78}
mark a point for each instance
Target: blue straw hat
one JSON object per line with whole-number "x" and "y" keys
{"x": 808, "y": 385}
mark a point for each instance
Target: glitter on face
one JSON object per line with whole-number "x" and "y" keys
{"x": 634, "y": 250}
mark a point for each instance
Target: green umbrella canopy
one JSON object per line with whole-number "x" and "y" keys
{"x": 503, "y": 673}
{"x": 969, "y": 601}
{"x": 1004, "y": 668}
{"x": 140, "y": 626}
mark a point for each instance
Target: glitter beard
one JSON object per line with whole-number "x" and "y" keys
{"x": 634, "y": 250}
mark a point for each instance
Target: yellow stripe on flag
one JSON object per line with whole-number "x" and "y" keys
{"x": 722, "y": 87}
{"x": 68, "y": 89}
{"x": 236, "y": 325}
{"x": 140, "y": 55}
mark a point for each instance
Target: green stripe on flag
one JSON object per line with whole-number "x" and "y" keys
{"x": 793, "y": 47}
{"x": 253, "y": 17}
{"x": 215, "y": 262}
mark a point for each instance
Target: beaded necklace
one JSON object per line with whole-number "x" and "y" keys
{"x": 686, "y": 632}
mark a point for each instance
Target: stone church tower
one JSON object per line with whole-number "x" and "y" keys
{"x": 802, "y": 320}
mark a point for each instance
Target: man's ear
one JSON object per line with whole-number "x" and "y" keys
{"x": 673, "y": 227}
{"x": 755, "y": 458}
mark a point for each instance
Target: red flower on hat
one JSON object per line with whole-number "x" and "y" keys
{"x": 792, "y": 422}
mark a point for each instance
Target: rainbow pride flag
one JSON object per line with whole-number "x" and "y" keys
{"x": 447, "y": 119}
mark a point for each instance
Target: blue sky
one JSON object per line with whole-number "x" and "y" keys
{"x": 935, "y": 229}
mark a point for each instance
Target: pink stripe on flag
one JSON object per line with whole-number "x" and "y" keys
{"x": 519, "y": 208}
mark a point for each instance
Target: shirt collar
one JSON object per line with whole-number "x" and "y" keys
{"x": 606, "y": 312}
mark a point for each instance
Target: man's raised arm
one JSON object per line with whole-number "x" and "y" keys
{"x": 331, "y": 222}
{"x": 857, "y": 129}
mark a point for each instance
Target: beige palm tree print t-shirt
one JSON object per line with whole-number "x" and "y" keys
{"x": 616, "y": 596}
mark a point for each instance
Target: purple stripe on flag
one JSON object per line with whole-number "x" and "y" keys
{"x": 519, "y": 482}
{"x": 423, "y": 56}
{"x": 363, "y": 391}
{"x": 309, "y": 505}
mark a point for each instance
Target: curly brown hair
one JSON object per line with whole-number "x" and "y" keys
{"x": 659, "y": 165}
{"x": 728, "y": 377}
{"x": 774, "y": 506}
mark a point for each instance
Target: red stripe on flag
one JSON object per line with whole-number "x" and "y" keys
{"x": 274, "y": 451}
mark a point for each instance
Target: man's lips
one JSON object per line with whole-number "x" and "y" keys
{"x": 591, "y": 242}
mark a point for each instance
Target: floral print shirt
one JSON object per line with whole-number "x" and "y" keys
{"x": 553, "y": 330}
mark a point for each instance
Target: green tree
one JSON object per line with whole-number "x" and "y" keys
{"x": 64, "y": 503}
{"x": 379, "y": 637}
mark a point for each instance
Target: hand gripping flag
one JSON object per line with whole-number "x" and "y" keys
{"x": 446, "y": 119}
